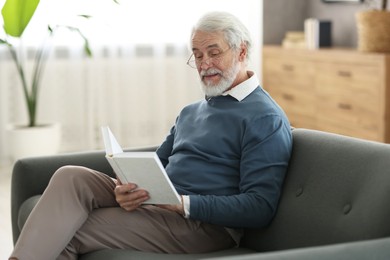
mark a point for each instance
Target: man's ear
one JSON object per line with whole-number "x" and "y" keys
{"x": 243, "y": 52}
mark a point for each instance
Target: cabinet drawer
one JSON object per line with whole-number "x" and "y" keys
{"x": 351, "y": 114}
{"x": 295, "y": 101}
{"x": 348, "y": 79}
{"x": 346, "y": 105}
{"x": 301, "y": 120}
{"x": 283, "y": 72}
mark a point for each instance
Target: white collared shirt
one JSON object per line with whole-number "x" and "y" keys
{"x": 243, "y": 89}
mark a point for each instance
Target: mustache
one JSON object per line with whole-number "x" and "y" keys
{"x": 211, "y": 71}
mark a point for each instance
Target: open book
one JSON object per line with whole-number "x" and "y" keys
{"x": 142, "y": 168}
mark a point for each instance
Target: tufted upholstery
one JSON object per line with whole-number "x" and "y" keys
{"x": 335, "y": 193}
{"x": 337, "y": 190}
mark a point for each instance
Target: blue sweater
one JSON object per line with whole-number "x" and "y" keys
{"x": 230, "y": 157}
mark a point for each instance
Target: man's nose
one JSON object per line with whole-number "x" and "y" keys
{"x": 205, "y": 64}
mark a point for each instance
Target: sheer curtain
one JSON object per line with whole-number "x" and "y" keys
{"x": 136, "y": 82}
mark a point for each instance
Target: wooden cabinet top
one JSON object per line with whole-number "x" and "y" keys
{"x": 328, "y": 54}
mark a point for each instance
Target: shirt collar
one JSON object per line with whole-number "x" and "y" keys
{"x": 243, "y": 89}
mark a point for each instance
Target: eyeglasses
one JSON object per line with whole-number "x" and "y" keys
{"x": 214, "y": 57}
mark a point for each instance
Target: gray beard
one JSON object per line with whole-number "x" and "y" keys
{"x": 225, "y": 83}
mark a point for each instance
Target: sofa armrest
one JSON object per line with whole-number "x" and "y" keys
{"x": 30, "y": 176}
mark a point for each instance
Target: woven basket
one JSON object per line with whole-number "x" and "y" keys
{"x": 373, "y": 31}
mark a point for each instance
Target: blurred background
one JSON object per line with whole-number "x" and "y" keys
{"x": 137, "y": 79}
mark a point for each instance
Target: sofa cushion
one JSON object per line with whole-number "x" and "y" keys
{"x": 377, "y": 249}
{"x": 336, "y": 190}
{"x": 25, "y": 210}
{"x": 119, "y": 254}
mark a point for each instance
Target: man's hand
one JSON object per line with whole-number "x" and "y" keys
{"x": 176, "y": 208}
{"x": 128, "y": 197}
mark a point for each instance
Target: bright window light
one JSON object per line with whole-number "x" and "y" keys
{"x": 146, "y": 21}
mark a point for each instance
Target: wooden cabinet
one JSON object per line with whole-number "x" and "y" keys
{"x": 336, "y": 90}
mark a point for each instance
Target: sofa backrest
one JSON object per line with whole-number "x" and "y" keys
{"x": 337, "y": 189}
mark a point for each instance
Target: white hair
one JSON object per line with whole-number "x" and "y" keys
{"x": 233, "y": 29}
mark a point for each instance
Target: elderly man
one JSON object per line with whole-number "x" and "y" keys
{"x": 226, "y": 156}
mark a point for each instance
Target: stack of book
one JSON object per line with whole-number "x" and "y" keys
{"x": 295, "y": 40}
{"x": 318, "y": 33}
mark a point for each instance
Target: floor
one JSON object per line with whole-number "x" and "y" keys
{"x": 5, "y": 212}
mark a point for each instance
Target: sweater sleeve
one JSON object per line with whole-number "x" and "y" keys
{"x": 165, "y": 149}
{"x": 265, "y": 152}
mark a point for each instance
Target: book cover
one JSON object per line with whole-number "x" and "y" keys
{"x": 318, "y": 33}
{"x": 142, "y": 168}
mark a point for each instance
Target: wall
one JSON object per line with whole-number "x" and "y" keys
{"x": 344, "y": 31}
{"x": 281, "y": 16}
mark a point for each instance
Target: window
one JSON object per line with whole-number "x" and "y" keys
{"x": 146, "y": 21}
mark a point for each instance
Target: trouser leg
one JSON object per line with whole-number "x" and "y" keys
{"x": 78, "y": 214}
{"x": 63, "y": 208}
{"x": 148, "y": 229}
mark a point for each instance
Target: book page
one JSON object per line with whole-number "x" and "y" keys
{"x": 110, "y": 142}
{"x": 142, "y": 168}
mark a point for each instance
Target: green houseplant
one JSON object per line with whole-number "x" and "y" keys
{"x": 33, "y": 138}
{"x": 373, "y": 28}
{"x": 16, "y": 16}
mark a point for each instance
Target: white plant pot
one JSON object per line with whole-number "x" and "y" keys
{"x": 33, "y": 141}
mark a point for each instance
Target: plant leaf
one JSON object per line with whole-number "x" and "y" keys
{"x": 87, "y": 48}
{"x": 86, "y": 16}
{"x": 17, "y": 15}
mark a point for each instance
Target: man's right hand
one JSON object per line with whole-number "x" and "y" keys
{"x": 129, "y": 197}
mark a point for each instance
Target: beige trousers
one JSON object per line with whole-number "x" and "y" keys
{"x": 78, "y": 214}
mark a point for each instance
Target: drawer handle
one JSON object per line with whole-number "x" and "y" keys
{"x": 287, "y": 67}
{"x": 288, "y": 97}
{"x": 344, "y": 74}
{"x": 345, "y": 106}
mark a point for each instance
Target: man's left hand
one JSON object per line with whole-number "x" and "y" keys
{"x": 179, "y": 208}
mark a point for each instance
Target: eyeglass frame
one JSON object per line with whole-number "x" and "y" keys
{"x": 215, "y": 58}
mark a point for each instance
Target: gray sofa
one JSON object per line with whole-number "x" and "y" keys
{"x": 335, "y": 202}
